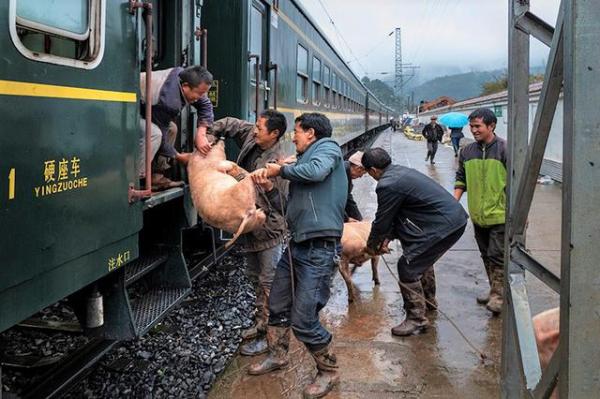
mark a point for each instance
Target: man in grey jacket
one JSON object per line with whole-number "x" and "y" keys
{"x": 259, "y": 144}
{"x": 315, "y": 215}
{"x": 172, "y": 90}
{"x": 426, "y": 219}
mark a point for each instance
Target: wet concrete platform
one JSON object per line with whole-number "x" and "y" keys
{"x": 438, "y": 364}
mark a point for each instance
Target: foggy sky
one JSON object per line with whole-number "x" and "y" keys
{"x": 441, "y": 36}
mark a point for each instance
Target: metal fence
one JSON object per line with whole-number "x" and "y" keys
{"x": 574, "y": 67}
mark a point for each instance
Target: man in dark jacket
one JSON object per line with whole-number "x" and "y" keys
{"x": 172, "y": 90}
{"x": 315, "y": 217}
{"x": 433, "y": 133}
{"x": 259, "y": 144}
{"x": 423, "y": 216}
{"x": 354, "y": 170}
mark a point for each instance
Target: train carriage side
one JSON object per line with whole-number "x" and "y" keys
{"x": 69, "y": 84}
{"x": 297, "y": 68}
{"x": 68, "y": 98}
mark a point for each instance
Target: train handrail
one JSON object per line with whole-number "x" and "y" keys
{"x": 257, "y": 76}
{"x": 133, "y": 194}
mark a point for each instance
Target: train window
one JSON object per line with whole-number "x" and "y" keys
{"x": 326, "y": 84}
{"x": 302, "y": 75}
{"x": 334, "y": 89}
{"x": 316, "y": 78}
{"x": 63, "y": 32}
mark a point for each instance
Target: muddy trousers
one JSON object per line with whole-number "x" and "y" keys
{"x": 413, "y": 270}
{"x": 261, "y": 271}
{"x": 490, "y": 241}
{"x": 314, "y": 267}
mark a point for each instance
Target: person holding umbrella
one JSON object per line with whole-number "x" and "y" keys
{"x": 433, "y": 133}
{"x": 455, "y": 122}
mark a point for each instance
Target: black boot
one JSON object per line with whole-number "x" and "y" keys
{"x": 429, "y": 288}
{"x": 414, "y": 304}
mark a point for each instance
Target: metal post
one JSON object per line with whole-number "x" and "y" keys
{"x": 518, "y": 125}
{"x": 579, "y": 375}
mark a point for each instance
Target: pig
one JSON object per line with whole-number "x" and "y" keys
{"x": 354, "y": 242}
{"x": 546, "y": 329}
{"x": 220, "y": 199}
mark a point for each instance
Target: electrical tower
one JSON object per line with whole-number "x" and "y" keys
{"x": 399, "y": 79}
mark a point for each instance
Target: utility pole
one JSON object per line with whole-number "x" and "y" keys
{"x": 399, "y": 78}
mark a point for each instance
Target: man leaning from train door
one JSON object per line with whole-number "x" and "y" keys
{"x": 259, "y": 144}
{"x": 172, "y": 90}
{"x": 315, "y": 215}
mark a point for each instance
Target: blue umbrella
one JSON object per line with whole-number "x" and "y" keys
{"x": 453, "y": 119}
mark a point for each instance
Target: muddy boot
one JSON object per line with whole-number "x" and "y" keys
{"x": 327, "y": 376}
{"x": 414, "y": 304}
{"x": 257, "y": 346}
{"x": 262, "y": 316}
{"x": 249, "y": 333}
{"x": 428, "y": 283}
{"x": 494, "y": 305}
{"x": 278, "y": 340}
{"x": 484, "y": 298}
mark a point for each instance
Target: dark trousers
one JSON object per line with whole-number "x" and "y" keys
{"x": 412, "y": 271}
{"x": 432, "y": 147}
{"x": 456, "y": 144}
{"x": 490, "y": 241}
{"x": 314, "y": 266}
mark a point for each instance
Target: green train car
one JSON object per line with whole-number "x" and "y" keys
{"x": 69, "y": 101}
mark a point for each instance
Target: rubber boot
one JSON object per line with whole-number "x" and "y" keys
{"x": 262, "y": 316}
{"x": 327, "y": 376}
{"x": 250, "y": 333}
{"x": 414, "y": 304}
{"x": 429, "y": 288}
{"x": 484, "y": 298}
{"x": 257, "y": 346}
{"x": 278, "y": 340}
{"x": 494, "y": 305}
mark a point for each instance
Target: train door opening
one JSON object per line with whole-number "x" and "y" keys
{"x": 258, "y": 59}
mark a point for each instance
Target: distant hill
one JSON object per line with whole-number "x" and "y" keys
{"x": 460, "y": 86}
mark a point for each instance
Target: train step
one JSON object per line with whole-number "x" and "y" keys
{"x": 151, "y": 307}
{"x": 138, "y": 296}
{"x": 142, "y": 266}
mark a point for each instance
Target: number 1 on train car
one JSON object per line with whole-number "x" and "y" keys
{"x": 11, "y": 184}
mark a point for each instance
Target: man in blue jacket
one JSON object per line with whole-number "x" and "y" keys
{"x": 315, "y": 217}
{"x": 426, "y": 219}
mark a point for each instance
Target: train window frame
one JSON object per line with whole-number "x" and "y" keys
{"x": 316, "y": 81}
{"x": 326, "y": 85}
{"x": 302, "y": 77}
{"x": 95, "y": 37}
{"x": 334, "y": 83}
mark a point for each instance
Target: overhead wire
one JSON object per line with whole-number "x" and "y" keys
{"x": 337, "y": 31}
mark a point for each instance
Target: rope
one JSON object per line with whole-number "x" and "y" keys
{"x": 482, "y": 356}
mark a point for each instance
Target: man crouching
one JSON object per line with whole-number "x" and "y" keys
{"x": 315, "y": 216}
{"x": 426, "y": 219}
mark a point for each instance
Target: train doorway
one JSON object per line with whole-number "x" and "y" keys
{"x": 258, "y": 58}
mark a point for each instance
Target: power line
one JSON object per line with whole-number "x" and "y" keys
{"x": 341, "y": 36}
